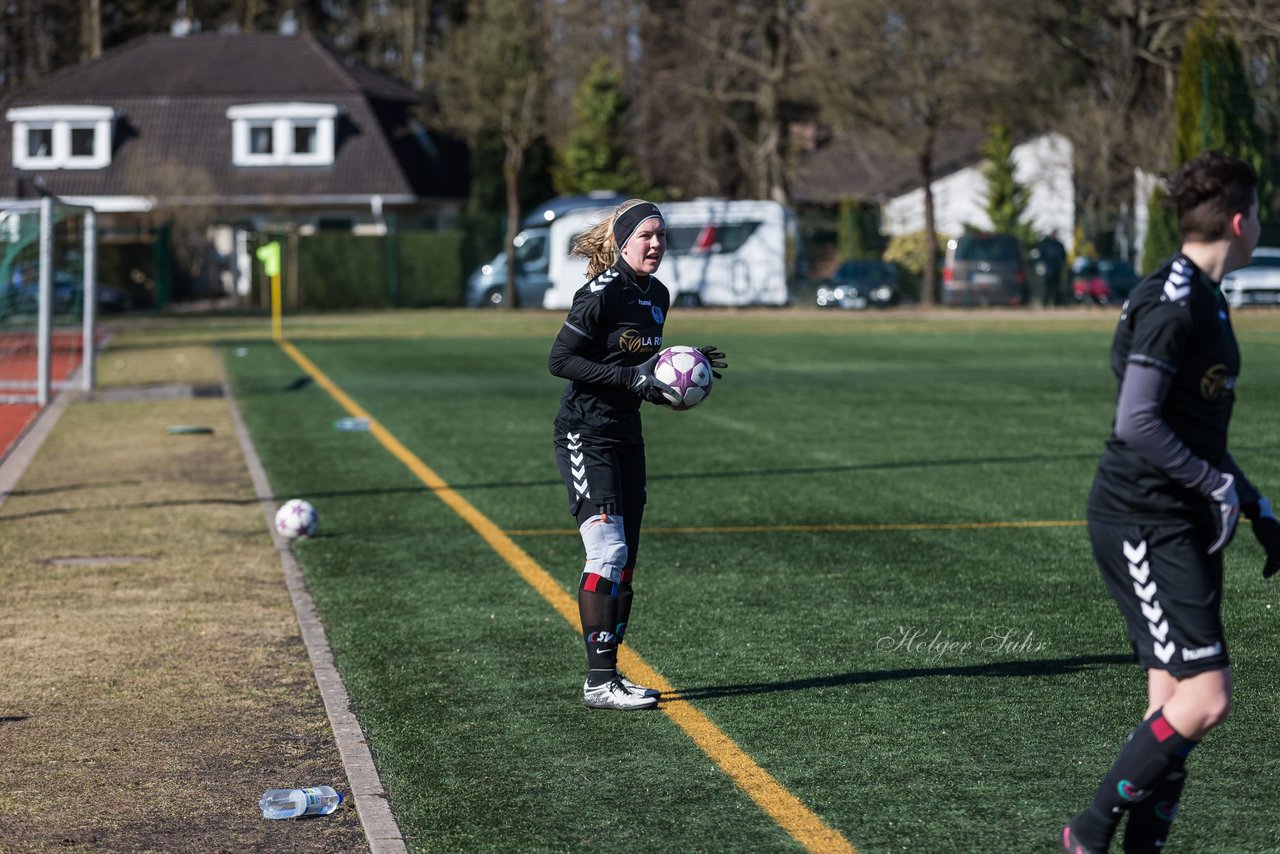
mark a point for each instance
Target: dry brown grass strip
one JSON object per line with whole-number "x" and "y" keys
{"x": 152, "y": 679}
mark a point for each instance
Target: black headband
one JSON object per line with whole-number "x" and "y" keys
{"x": 629, "y": 220}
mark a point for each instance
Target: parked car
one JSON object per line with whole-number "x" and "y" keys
{"x": 859, "y": 284}
{"x": 984, "y": 269}
{"x": 1104, "y": 281}
{"x": 486, "y": 287}
{"x": 22, "y": 296}
{"x": 1257, "y": 284}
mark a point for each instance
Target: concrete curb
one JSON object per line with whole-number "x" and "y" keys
{"x": 379, "y": 824}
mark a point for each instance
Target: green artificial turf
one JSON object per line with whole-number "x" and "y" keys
{"x": 872, "y": 631}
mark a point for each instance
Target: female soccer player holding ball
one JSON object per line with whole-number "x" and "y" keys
{"x": 607, "y": 349}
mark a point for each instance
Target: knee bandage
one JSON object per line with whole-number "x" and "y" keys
{"x": 606, "y": 545}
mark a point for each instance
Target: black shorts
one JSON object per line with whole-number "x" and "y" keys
{"x": 1169, "y": 589}
{"x": 604, "y": 477}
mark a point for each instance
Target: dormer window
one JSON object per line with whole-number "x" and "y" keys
{"x": 282, "y": 134}
{"x": 62, "y": 137}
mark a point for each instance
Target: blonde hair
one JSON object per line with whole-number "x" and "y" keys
{"x": 598, "y": 245}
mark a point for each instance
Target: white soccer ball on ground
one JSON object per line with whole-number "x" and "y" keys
{"x": 688, "y": 372}
{"x": 296, "y": 518}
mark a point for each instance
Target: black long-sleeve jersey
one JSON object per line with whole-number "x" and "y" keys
{"x": 1177, "y": 322}
{"x": 614, "y": 324}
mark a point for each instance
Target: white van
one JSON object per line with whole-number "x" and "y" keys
{"x": 719, "y": 253}
{"x": 486, "y": 286}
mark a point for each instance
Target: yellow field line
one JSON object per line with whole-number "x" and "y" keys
{"x": 778, "y": 803}
{"x": 787, "y": 529}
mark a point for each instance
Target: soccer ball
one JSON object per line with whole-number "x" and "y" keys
{"x": 688, "y": 372}
{"x": 296, "y": 518}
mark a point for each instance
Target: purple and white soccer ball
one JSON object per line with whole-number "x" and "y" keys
{"x": 296, "y": 518}
{"x": 688, "y": 372}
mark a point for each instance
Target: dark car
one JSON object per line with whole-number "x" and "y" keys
{"x": 859, "y": 284}
{"x": 1104, "y": 281}
{"x": 23, "y": 294}
{"x": 984, "y": 269}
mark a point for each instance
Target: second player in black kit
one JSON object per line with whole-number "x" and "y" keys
{"x": 607, "y": 349}
{"x": 1166, "y": 498}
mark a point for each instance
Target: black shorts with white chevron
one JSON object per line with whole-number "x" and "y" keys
{"x": 602, "y": 476}
{"x": 1169, "y": 589}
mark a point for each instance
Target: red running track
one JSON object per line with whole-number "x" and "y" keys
{"x": 19, "y": 362}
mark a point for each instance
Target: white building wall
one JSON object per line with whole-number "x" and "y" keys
{"x": 1042, "y": 164}
{"x": 1144, "y": 184}
{"x": 958, "y": 198}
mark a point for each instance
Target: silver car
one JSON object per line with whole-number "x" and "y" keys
{"x": 1257, "y": 284}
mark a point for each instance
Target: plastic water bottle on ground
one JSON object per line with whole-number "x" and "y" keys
{"x": 351, "y": 424}
{"x": 292, "y": 803}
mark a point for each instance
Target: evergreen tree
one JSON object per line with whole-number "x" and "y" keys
{"x": 1214, "y": 106}
{"x": 1213, "y": 109}
{"x": 595, "y": 156}
{"x": 1162, "y": 232}
{"x": 1007, "y": 199}
{"x": 858, "y": 230}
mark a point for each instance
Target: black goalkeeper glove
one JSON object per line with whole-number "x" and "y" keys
{"x": 1266, "y": 529}
{"x": 649, "y": 387}
{"x": 1226, "y": 507}
{"x": 715, "y": 357}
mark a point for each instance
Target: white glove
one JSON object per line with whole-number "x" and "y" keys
{"x": 1227, "y": 511}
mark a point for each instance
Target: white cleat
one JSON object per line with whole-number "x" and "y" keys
{"x": 614, "y": 695}
{"x": 638, "y": 689}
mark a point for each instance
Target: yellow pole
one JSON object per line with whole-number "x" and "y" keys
{"x": 269, "y": 255}
{"x": 277, "y": 327}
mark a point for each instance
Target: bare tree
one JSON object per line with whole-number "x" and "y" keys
{"x": 737, "y": 61}
{"x": 898, "y": 73}
{"x": 1115, "y": 103}
{"x": 720, "y": 90}
{"x": 91, "y": 29}
{"x": 37, "y": 37}
{"x": 494, "y": 76}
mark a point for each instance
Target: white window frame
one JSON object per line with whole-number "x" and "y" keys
{"x": 61, "y": 120}
{"x": 282, "y": 118}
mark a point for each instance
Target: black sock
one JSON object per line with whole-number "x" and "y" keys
{"x": 598, "y": 611}
{"x": 624, "y": 604}
{"x": 1149, "y": 822}
{"x": 1143, "y": 762}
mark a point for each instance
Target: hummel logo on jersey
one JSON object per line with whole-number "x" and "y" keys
{"x": 601, "y": 281}
{"x": 1178, "y": 286}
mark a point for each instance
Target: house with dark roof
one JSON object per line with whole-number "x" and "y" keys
{"x": 254, "y": 130}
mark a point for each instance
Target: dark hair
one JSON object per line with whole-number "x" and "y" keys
{"x": 1208, "y": 190}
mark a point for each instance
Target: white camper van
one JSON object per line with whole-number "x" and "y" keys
{"x": 719, "y": 253}
{"x": 486, "y": 287}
